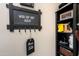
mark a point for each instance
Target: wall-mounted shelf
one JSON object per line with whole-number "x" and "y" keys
{"x": 67, "y": 7}
{"x": 61, "y": 54}
{"x": 64, "y": 32}
{"x": 66, "y": 36}
{"x": 65, "y": 21}
{"x": 66, "y": 47}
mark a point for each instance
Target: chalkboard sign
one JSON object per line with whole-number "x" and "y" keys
{"x": 21, "y": 18}
{"x": 30, "y": 47}
{"x": 25, "y": 18}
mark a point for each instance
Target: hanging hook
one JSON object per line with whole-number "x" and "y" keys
{"x": 34, "y": 29}
{"x": 19, "y": 29}
{"x": 25, "y": 29}
{"x": 30, "y": 33}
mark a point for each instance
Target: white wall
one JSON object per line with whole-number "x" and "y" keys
{"x": 13, "y": 44}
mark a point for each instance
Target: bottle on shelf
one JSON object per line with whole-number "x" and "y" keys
{"x": 64, "y": 28}
{"x": 71, "y": 41}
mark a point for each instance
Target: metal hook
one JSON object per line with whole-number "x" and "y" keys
{"x": 19, "y": 29}
{"x": 30, "y": 32}
{"x": 34, "y": 29}
{"x": 25, "y": 29}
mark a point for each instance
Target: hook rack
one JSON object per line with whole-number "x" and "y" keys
{"x": 18, "y": 18}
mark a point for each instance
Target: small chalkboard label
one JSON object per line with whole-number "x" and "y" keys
{"x": 30, "y": 46}
{"x": 25, "y": 18}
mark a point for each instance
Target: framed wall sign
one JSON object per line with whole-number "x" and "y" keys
{"x": 21, "y": 18}
{"x": 66, "y": 15}
{"x": 27, "y": 4}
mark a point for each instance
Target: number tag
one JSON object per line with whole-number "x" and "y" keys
{"x": 30, "y": 46}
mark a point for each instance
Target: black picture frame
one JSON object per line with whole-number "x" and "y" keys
{"x": 28, "y": 4}
{"x": 13, "y": 27}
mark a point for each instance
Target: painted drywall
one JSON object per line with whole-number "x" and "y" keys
{"x": 14, "y": 43}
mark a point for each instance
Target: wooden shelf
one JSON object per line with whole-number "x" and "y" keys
{"x": 67, "y": 7}
{"x": 62, "y": 54}
{"x": 62, "y": 36}
{"x": 64, "y": 32}
{"x": 66, "y": 47}
{"x": 65, "y": 21}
